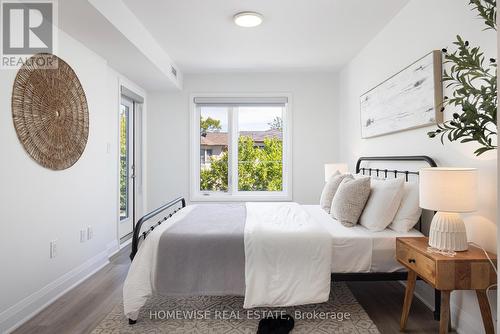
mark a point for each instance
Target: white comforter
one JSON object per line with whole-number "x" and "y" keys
{"x": 287, "y": 256}
{"x": 287, "y": 259}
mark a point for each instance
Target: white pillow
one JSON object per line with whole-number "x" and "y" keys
{"x": 382, "y": 204}
{"x": 330, "y": 189}
{"x": 409, "y": 211}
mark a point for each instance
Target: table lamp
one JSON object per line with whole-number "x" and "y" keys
{"x": 448, "y": 191}
{"x": 330, "y": 169}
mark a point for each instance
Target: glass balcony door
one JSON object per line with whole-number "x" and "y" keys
{"x": 126, "y": 167}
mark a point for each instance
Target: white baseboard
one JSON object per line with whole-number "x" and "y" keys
{"x": 467, "y": 324}
{"x": 113, "y": 247}
{"x": 467, "y": 319}
{"x": 27, "y": 308}
{"x": 426, "y": 295}
{"x": 462, "y": 321}
{"x": 125, "y": 243}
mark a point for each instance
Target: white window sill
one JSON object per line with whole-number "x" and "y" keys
{"x": 200, "y": 197}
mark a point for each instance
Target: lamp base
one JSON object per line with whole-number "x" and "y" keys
{"x": 448, "y": 232}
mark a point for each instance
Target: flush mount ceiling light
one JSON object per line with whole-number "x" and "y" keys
{"x": 247, "y": 19}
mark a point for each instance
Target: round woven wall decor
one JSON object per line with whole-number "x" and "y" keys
{"x": 50, "y": 112}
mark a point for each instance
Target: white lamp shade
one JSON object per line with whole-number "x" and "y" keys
{"x": 330, "y": 169}
{"x": 448, "y": 189}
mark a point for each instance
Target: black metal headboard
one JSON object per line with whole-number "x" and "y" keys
{"x": 173, "y": 206}
{"x": 386, "y": 172}
{"x": 409, "y": 158}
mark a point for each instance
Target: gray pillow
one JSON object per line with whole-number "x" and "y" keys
{"x": 329, "y": 190}
{"x": 350, "y": 199}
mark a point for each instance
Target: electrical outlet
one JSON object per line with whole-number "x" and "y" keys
{"x": 53, "y": 248}
{"x": 90, "y": 233}
{"x": 83, "y": 236}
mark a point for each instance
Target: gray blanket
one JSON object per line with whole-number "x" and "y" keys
{"x": 204, "y": 253}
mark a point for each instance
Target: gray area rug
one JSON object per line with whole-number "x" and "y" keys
{"x": 341, "y": 314}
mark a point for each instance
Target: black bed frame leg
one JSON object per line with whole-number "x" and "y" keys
{"x": 437, "y": 305}
{"x": 131, "y": 322}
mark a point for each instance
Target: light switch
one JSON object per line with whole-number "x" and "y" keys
{"x": 53, "y": 248}
{"x": 90, "y": 233}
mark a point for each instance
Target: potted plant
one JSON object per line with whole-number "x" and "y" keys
{"x": 473, "y": 80}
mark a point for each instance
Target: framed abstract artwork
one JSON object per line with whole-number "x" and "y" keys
{"x": 409, "y": 99}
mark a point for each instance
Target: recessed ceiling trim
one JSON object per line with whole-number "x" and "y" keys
{"x": 124, "y": 20}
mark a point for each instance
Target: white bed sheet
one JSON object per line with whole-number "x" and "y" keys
{"x": 356, "y": 249}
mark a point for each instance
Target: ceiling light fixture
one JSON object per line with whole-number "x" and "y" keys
{"x": 247, "y": 19}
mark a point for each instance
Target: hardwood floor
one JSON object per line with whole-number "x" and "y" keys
{"x": 81, "y": 309}
{"x": 383, "y": 301}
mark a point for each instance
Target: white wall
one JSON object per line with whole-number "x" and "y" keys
{"x": 315, "y": 132}
{"x": 498, "y": 172}
{"x": 38, "y": 205}
{"x": 422, "y": 26}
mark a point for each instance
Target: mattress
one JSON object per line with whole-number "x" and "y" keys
{"x": 356, "y": 249}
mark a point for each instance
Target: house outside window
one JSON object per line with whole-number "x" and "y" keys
{"x": 205, "y": 154}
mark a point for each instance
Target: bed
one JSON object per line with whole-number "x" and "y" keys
{"x": 274, "y": 254}
{"x": 356, "y": 249}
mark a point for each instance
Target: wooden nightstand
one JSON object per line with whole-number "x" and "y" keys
{"x": 469, "y": 270}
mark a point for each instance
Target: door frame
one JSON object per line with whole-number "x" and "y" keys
{"x": 134, "y": 93}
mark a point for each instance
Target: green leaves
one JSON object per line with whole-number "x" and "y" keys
{"x": 487, "y": 11}
{"x": 209, "y": 125}
{"x": 215, "y": 178}
{"x": 474, "y": 83}
{"x": 259, "y": 168}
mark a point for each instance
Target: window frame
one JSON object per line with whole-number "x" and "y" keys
{"x": 196, "y": 195}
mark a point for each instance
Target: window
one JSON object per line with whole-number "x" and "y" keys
{"x": 243, "y": 148}
{"x": 124, "y": 160}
